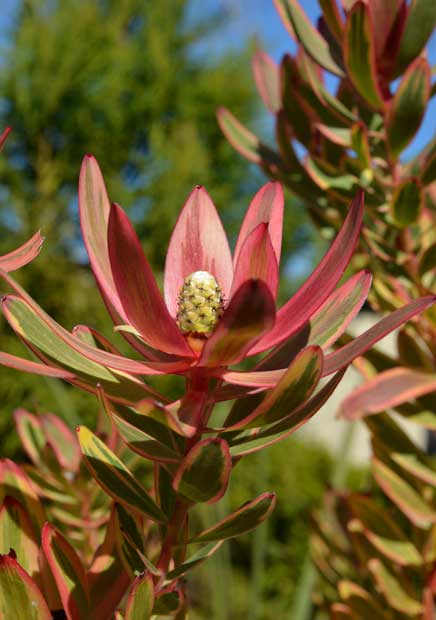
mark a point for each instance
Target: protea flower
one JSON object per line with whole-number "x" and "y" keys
{"x": 216, "y": 310}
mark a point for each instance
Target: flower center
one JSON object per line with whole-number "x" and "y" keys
{"x": 200, "y": 303}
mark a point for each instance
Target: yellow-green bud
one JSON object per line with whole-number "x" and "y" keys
{"x": 200, "y": 303}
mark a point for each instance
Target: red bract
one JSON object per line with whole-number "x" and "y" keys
{"x": 246, "y": 285}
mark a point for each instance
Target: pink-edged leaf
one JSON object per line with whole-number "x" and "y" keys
{"x": 141, "y": 598}
{"x": 418, "y": 27}
{"x": 385, "y": 391}
{"x": 332, "y": 319}
{"x": 20, "y": 598}
{"x": 250, "y": 441}
{"x": 408, "y": 105}
{"x": 393, "y": 590}
{"x": 346, "y": 354}
{"x": 68, "y": 572}
{"x": 317, "y": 288}
{"x": 4, "y": 135}
{"x": 22, "y": 255}
{"x": 62, "y": 441}
{"x": 194, "y": 560}
{"x": 312, "y": 41}
{"x": 15, "y": 483}
{"x": 204, "y": 473}
{"x": 257, "y": 261}
{"x": 18, "y": 363}
{"x": 18, "y": 533}
{"x": 137, "y": 288}
{"x": 333, "y": 17}
{"x": 198, "y": 243}
{"x": 94, "y": 208}
{"x": 108, "y": 579}
{"x": 384, "y": 14}
{"x": 337, "y": 135}
{"x": 115, "y": 478}
{"x": 249, "y": 315}
{"x": 34, "y": 315}
{"x": 403, "y": 495}
{"x": 266, "y": 207}
{"x": 327, "y": 324}
{"x": 295, "y": 386}
{"x": 266, "y": 75}
{"x": 30, "y": 431}
{"x": 245, "y": 142}
{"x": 246, "y": 518}
{"x": 360, "y": 53}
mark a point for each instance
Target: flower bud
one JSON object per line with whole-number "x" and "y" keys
{"x": 200, "y": 303}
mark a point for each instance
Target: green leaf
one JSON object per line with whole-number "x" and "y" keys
{"x": 246, "y": 142}
{"x": 383, "y": 532}
{"x": 68, "y": 572}
{"x": 142, "y": 443}
{"x": 114, "y": 477}
{"x": 249, "y": 441}
{"x": 325, "y": 180}
{"x": 406, "y": 109}
{"x": 419, "y": 25}
{"x": 200, "y": 556}
{"x": 20, "y": 598}
{"x": 108, "y": 579}
{"x": 266, "y": 75}
{"x": 393, "y": 592}
{"x": 168, "y": 602}
{"x": 141, "y": 599}
{"x": 14, "y": 482}
{"x": 414, "y": 466}
{"x": 130, "y": 539}
{"x": 428, "y": 171}
{"x": 360, "y": 601}
{"x": 62, "y": 441}
{"x": 204, "y": 473}
{"x": 34, "y": 330}
{"x": 30, "y": 431}
{"x": 295, "y": 386}
{"x": 403, "y": 495}
{"x": 314, "y": 44}
{"x": 359, "y": 54}
{"x": 406, "y": 202}
{"x": 246, "y": 518}
{"x": 360, "y": 144}
{"x": 17, "y": 533}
